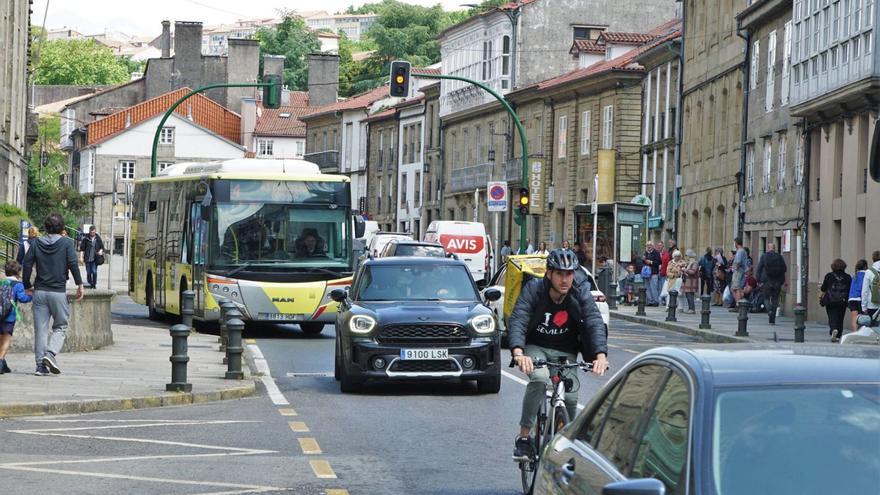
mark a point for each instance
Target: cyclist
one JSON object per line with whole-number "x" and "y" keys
{"x": 554, "y": 317}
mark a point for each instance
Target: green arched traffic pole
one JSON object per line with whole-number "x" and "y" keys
{"x": 522, "y": 138}
{"x": 183, "y": 99}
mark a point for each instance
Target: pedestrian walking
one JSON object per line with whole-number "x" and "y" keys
{"x": 738, "y": 269}
{"x": 505, "y": 252}
{"x": 25, "y": 245}
{"x": 91, "y": 252}
{"x": 542, "y": 249}
{"x": 665, "y": 256}
{"x": 771, "y": 277}
{"x": 53, "y": 256}
{"x": 653, "y": 261}
{"x": 691, "y": 280}
{"x": 855, "y": 293}
{"x": 835, "y": 292}
{"x": 871, "y": 286}
{"x": 707, "y": 271}
{"x": 11, "y": 293}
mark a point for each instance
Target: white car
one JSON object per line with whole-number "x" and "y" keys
{"x": 380, "y": 239}
{"x": 497, "y": 282}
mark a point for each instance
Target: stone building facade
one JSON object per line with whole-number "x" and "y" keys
{"x": 382, "y": 156}
{"x": 432, "y": 207}
{"x": 712, "y": 124}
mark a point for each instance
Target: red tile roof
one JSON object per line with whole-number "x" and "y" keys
{"x": 362, "y": 100}
{"x": 587, "y": 46}
{"x": 384, "y": 114}
{"x": 299, "y": 98}
{"x": 205, "y": 113}
{"x": 281, "y": 122}
{"x": 426, "y": 71}
{"x": 625, "y": 38}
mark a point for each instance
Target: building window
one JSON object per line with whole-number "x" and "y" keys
{"x": 403, "y": 188}
{"x": 771, "y": 72}
{"x": 768, "y": 165}
{"x": 265, "y": 147}
{"x": 869, "y": 39}
{"x": 782, "y": 165}
{"x": 786, "y": 64}
{"x": 300, "y": 149}
{"x": 750, "y": 170}
{"x": 163, "y": 165}
{"x": 844, "y": 28}
{"x": 417, "y": 195}
{"x": 756, "y": 57}
{"x": 835, "y": 22}
{"x": 562, "y": 131}
{"x": 856, "y": 47}
{"x": 799, "y": 160}
{"x": 608, "y": 127}
{"x": 166, "y": 136}
{"x": 857, "y": 17}
{"x": 844, "y": 52}
{"x": 381, "y": 154}
{"x": 505, "y": 57}
{"x": 126, "y": 170}
{"x": 586, "y": 133}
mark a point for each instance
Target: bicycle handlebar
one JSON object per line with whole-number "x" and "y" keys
{"x": 542, "y": 363}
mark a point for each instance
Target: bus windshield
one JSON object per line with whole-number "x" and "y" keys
{"x": 281, "y": 236}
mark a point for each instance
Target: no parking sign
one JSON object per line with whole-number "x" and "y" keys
{"x": 497, "y": 196}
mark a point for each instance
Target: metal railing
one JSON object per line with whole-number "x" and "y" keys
{"x": 10, "y": 247}
{"x": 327, "y": 161}
{"x": 470, "y": 177}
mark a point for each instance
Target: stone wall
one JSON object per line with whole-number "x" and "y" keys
{"x": 89, "y": 323}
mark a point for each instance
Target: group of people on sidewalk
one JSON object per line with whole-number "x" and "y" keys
{"x": 857, "y": 294}
{"x": 53, "y": 256}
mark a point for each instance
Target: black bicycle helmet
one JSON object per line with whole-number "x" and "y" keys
{"x": 562, "y": 259}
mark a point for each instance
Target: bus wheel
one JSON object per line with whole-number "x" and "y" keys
{"x": 153, "y": 314}
{"x": 311, "y": 328}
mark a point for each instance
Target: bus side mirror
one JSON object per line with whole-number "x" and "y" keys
{"x": 360, "y": 227}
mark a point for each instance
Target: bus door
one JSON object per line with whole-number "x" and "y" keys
{"x": 161, "y": 252}
{"x": 199, "y": 237}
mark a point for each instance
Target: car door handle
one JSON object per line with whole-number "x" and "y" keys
{"x": 566, "y": 472}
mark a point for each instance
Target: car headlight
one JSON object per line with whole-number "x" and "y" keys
{"x": 483, "y": 324}
{"x": 361, "y": 324}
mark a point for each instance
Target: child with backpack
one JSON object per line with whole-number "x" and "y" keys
{"x": 835, "y": 293}
{"x": 11, "y": 293}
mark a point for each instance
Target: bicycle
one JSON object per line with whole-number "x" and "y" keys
{"x": 552, "y": 414}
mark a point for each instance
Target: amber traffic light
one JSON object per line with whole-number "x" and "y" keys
{"x": 399, "y": 78}
{"x": 524, "y": 201}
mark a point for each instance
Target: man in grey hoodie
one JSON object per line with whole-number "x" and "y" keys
{"x": 53, "y": 256}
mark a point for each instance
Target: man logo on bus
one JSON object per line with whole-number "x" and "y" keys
{"x": 282, "y": 300}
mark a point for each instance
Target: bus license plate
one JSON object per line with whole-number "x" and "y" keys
{"x": 423, "y": 354}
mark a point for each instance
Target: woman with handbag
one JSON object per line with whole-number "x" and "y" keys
{"x": 91, "y": 252}
{"x": 835, "y": 292}
{"x": 674, "y": 272}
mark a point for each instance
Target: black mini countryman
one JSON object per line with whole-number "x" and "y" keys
{"x": 416, "y": 319}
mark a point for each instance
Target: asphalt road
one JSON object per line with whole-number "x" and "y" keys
{"x": 438, "y": 438}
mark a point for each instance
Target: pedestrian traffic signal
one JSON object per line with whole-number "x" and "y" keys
{"x": 272, "y": 94}
{"x": 524, "y": 201}
{"x": 400, "y": 78}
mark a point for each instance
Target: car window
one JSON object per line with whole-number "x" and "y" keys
{"x": 592, "y": 425}
{"x": 498, "y": 279}
{"x": 415, "y": 250}
{"x": 621, "y": 429}
{"x": 662, "y": 452}
{"x": 417, "y": 282}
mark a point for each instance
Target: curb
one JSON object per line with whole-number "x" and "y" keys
{"x": 248, "y": 388}
{"x": 704, "y": 335}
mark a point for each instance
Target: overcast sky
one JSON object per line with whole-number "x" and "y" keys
{"x": 144, "y": 17}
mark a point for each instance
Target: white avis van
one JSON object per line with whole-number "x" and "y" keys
{"x": 469, "y": 241}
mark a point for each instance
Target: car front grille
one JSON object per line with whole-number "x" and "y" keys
{"x": 437, "y": 366}
{"x": 422, "y": 334}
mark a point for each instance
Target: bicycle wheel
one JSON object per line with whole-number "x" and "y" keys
{"x": 529, "y": 469}
{"x": 560, "y": 419}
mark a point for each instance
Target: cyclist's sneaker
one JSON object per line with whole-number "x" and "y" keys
{"x": 523, "y": 448}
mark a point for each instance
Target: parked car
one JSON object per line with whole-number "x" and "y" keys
{"x": 497, "y": 282}
{"x": 731, "y": 420}
{"x": 380, "y": 239}
{"x": 469, "y": 241}
{"x": 409, "y": 318}
{"x": 403, "y": 247}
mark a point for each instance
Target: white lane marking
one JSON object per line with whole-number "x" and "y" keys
{"x": 139, "y": 440}
{"x": 293, "y": 374}
{"x": 275, "y": 394}
{"x": 170, "y": 421}
{"x": 140, "y": 425}
{"x": 521, "y": 381}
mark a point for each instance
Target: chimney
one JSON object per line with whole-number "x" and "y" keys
{"x": 323, "y": 79}
{"x": 188, "y": 44}
{"x": 248, "y": 122}
{"x": 165, "y": 40}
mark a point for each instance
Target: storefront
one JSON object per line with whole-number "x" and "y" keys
{"x": 621, "y": 230}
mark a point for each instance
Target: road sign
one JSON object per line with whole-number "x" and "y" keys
{"x": 497, "y": 197}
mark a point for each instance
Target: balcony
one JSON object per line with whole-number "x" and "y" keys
{"x": 327, "y": 161}
{"x": 471, "y": 177}
{"x": 513, "y": 170}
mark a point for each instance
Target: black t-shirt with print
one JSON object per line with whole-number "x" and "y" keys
{"x": 557, "y": 330}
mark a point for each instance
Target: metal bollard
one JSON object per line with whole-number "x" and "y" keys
{"x": 672, "y": 306}
{"x": 643, "y": 295}
{"x": 612, "y": 298}
{"x": 743, "y": 318}
{"x": 221, "y": 303}
{"x": 186, "y": 311}
{"x": 706, "y": 301}
{"x": 179, "y": 358}
{"x": 800, "y": 314}
{"x": 225, "y": 309}
{"x": 231, "y": 314}
{"x": 233, "y": 350}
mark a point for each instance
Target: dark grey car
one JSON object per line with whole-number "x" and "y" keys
{"x": 738, "y": 419}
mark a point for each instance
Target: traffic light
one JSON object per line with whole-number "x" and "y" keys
{"x": 272, "y": 94}
{"x": 524, "y": 201}
{"x": 400, "y": 78}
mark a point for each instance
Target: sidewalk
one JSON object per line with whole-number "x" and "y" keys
{"x": 129, "y": 374}
{"x": 724, "y": 325}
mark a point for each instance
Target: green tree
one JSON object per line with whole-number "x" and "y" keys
{"x": 78, "y": 62}
{"x": 295, "y": 41}
{"x": 45, "y": 192}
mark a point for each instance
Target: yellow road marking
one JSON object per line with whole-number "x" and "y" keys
{"x": 250, "y": 341}
{"x": 287, "y": 412}
{"x": 309, "y": 446}
{"x": 298, "y": 426}
{"x": 336, "y": 492}
{"x": 322, "y": 469}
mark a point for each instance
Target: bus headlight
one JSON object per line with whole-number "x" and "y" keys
{"x": 483, "y": 324}
{"x": 361, "y": 324}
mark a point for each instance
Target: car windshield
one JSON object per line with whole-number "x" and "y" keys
{"x": 416, "y": 282}
{"x": 383, "y": 240}
{"x": 415, "y": 250}
{"x": 280, "y": 235}
{"x": 803, "y": 440}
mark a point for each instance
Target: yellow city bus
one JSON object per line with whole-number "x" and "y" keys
{"x": 273, "y": 236}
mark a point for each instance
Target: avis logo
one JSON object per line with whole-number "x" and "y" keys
{"x": 468, "y": 244}
{"x": 282, "y": 300}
